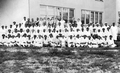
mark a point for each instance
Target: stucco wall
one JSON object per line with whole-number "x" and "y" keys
{"x": 110, "y": 11}
{"x": 13, "y": 10}
{"x": 77, "y": 4}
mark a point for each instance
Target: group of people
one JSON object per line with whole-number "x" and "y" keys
{"x": 46, "y": 32}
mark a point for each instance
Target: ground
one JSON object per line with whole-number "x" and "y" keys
{"x": 59, "y": 60}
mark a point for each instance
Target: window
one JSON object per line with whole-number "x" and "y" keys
{"x": 91, "y": 16}
{"x": 43, "y": 11}
{"x": 65, "y": 14}
{"x": 71, "y": 14}
{"x": 100, "y": 18}
{"x": 83, "y": 17}
{"x": 96, "y": 17}
{"x": 87, "y": 17}
{"x": 50, "y": 12}
{"x": 55, "y": 11}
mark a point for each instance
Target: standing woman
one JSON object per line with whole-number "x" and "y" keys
{"x": 114, "y": 30}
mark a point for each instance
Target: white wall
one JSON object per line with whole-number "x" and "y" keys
{"x": 77, "y": 4}
{"x": 110, "y": 11}
{"x": 93, "y": 6}
{"x": 13, "y": 10}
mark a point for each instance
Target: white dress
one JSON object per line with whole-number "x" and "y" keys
{"x": 62, "y": 23}
{"x": 114, "y": 30}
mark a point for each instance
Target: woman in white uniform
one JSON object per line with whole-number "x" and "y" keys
{"x": 114, "y": 30}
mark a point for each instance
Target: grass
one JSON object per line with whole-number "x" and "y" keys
{"x": 81, "y": 60}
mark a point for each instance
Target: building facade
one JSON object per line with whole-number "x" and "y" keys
{"x": 96, "y": 11}
{"x": 87, "y": 10}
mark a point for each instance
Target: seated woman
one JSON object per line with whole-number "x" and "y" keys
{"x": 111, "y": 43}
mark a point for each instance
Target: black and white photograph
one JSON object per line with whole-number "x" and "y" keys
{"x": 59, "y": 36}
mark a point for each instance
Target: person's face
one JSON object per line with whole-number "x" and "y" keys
{"x": 5, "y": 27}
{"x": 78, "y": 19}
{"x": 52, "y": 18}
{"x": 24, "y": 18}
{"x": 2, "y": 27}
{"x": 103, "y": 30}
{"x": 97, "y": 25}
{"x": 44, "y": 18}
{"x": 113, "y": 24}
{"x": 28, "y": 19}
{"x": 87, "y": 29}
{"x": 10, "y": 26}
{"x": 14, "y": 23}
{"x": 48, "y": 19}
{"x": 19, "y": 25}
{"x": 73, "y": 19}
{"x": 40, "y": 18}
{"x": 98, "y": 30}
{"x": 110, "y": 38}
{"x": 16, "y": 26}
{"x": 32, "y": 20}
{"x": 56, "y": 19}
{"x": 37, "y": 19}
{"x": 105, "y": 24}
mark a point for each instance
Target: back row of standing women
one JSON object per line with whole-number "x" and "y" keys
{"x": 54, "y": 32}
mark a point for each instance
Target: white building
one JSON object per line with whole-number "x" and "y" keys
{"x": 87, "y": 10}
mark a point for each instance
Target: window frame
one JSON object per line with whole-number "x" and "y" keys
{"x": 91, "y": 15}
{"x": 55, "y": 11}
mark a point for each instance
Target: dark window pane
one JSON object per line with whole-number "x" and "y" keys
{"x": 83, "y": 17}
{"x": 71, "y": 14}
{"x": 96, "y": 17}
{"x": 87, "y": 17}
{"x": 92, "y": 17}
{"x": 100, "y": 18}
{"x": 65, "y": 14}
